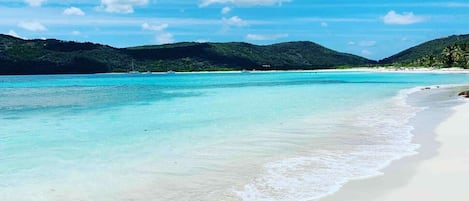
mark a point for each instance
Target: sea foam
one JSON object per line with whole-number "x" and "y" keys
{"x": 371, "y": 140}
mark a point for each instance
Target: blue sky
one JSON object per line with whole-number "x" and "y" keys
{"x": 373, "y": 29}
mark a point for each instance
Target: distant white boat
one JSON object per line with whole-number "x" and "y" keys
{"x": 133, "y": 71}
{"x": 244, "y": 71}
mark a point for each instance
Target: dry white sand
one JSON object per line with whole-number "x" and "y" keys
{"x": 438, "y": 176}
{"x": 446, "y": 176}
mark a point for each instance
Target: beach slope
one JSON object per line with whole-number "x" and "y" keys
{"x": 431, "y": 175}
{"x": 446, "y": 176}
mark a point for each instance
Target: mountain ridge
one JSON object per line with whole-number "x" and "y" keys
{"x": 51, "y": 56}
{"x": 433, "y": 47}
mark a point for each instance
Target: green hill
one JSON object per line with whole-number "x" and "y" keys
{"x": 431, "y": 52}
{"x": 52, "y": 56}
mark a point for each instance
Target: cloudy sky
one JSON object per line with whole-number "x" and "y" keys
{"x": 370, "y": 28}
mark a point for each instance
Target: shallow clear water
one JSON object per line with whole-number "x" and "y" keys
{"x": 225, "y": 136}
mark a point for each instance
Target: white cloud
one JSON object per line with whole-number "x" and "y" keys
{"x": 161, "y": 37}
{"x": 14, "y": 34}
{"x": 320, "y": 19}
{"x": 35, "y": 2}
{"x": 164, "y": 38}
{"x": 202, "y": 41}
{"x": 265, "y": 37}
{"x": 121, "y": 6}
{"x": 234, "y": 21}
{"x": 458, "y": 5}
{"x": 32, "y": 26}
{"x": 406, "y": 18}
{"x": 76, "y": 33}
{"x": 244, "y": 2}
{"x": 366, "y": 52}
{"x": 73, "y": 11}
{"x": 324, "y": 24}
{"x": 367, "y": 43}
{"x": 161, "y": 27}
{"x": 351, "y": 43}
{"x": 225, "y": 10}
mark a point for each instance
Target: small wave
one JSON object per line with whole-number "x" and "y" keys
{"x": 370, "y": 140}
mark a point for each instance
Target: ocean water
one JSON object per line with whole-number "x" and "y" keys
{"x": 202, "y": 136}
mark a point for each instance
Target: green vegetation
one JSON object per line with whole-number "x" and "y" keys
{"x": 452, "y": 51}
{"x": 51, "y": 56}
{"x": 55, "y": 57}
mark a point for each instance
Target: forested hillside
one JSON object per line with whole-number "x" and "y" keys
{"x": 452, "y": 51}
{"x": 52, "y": 56}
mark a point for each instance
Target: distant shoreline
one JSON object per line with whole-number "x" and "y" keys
{"x": 415, "y": 69}
{"x": 370, "y": 69}
{"x": 354, "y": 69}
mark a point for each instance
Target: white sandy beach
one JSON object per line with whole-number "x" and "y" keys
{"x": 446, "y": 176}
{"x": 409, "y": 70}
{"x": 438, "y": 176}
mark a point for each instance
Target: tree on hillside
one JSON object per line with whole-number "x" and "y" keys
{"x": 447, "y": 54}
{"x": 466, "y": 57}
{"x": 456, "y": 55}
{"x": 429, "y": 61}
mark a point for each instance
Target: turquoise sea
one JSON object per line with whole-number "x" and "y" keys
{"x": 202, "y": 136}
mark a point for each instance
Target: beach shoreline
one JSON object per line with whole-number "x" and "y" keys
{"x": 353, "y": 69}
{"x": 437, "y": 172}
{"x": 413, "y": 69}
